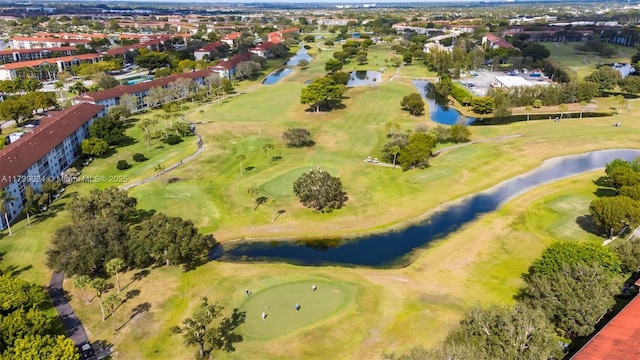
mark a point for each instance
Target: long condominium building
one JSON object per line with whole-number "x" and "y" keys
{"x": 44, "y": 153}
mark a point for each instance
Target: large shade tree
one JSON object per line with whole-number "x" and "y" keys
{"x": 322, "y": 91}
{"x": 318, "y": 190}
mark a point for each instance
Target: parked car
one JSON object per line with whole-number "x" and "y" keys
{"x": 87, "y": 351}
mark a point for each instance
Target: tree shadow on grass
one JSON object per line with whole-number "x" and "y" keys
{"x": 13, "y": 270}
{"x": 605, "y": 192}
{"x": 137, "y": 277}
{"x": 102, "y": 348}
{"x": 586, "y": 223}
{"x": 139, "y": 309}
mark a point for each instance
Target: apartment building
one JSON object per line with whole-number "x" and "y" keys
{"x": 44, "y": 153}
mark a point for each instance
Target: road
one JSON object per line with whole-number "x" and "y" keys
{"x": 70, "y": 321}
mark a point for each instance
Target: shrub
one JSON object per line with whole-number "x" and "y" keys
{"x": 122, "y": 165}
{"x": 137, "y": 157}
{"x": 172, "y": 139}
{"x": 461, "y": 94}
{"x": 297, "y": 137}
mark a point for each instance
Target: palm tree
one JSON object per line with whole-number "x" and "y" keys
{"x": 253, "y": 192}
{"x": 78, "y": 88}
{"x": 621, "y": 102}
{"x": 268, "y": 148}
{"x": 59, "y": 85}
{"x": 201, "y": 112}
{"x": 113, "y": 302}
{"x": 563, "y": 109}
{"x": 5, "y": 197}
{"x": 114, "y": 266}
{"x": 31, "y": 205}
{"x": 100, "y": 286}
{"x": 273, "y": 203}
{"x": 241, "y": 158}
{"x": 82, "y": 281}
{"x": 394, "y": 150}
{"x": 528, "y": 110}
{"x": 583, "y": 104}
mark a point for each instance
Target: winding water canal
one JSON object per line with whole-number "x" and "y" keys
{"x": 393, "y": 249}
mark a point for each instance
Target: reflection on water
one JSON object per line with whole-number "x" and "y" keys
{"x": 364, "y": 78}
{"x": 439, "y": 110}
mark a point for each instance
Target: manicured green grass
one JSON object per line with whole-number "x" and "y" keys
{"x": 585, "y": 63}
{"x": 278, "y": 301}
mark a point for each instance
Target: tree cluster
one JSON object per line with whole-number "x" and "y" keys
{"x": 26, "y": 331}
{"x": 22, "y": 107}
{"x": 568, "y": 290}
{"x": 410, "y": 150}
{"x": 107, "y": 225}
{"x": 612, "y": 214}
{"x": 413, "y": 103}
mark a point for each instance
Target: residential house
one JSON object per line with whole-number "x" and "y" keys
{"x": 231, "y": 39}
{"x": 227, "y": 68}
{"x": 493, "y": 42}
{"x": 44, "y": 153}
{"x": 210, "y": 50}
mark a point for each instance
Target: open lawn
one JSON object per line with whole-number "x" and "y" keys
{"x": 586, "y": 63}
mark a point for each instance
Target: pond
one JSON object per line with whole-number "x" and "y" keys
{"x": 364, "y": 78}
{"x": 624, "y": 69}
{"x": 439, "y": 110}
{"x": 300, "y": 55}
{"x": 394, "y": 249}
{"x": 276, "y": 76}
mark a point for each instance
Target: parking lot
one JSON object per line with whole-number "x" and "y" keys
{"x": 480, "y": 83}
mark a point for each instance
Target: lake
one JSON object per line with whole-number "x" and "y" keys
{"x": 394, "y": 248}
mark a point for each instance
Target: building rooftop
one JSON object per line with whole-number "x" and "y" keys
{"x": 36, "y": 50}
{"x": 17, "y": 157}
{"x": 34, "y": 63}
{"x": 139, "y": 87}
{"x": 619, "y": 339}
{"x": 513, "y": 81}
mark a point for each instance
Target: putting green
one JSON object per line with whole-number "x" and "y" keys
{"x": 278, "y": 302}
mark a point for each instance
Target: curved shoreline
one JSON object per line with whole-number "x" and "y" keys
{"x": 416, "y": 220}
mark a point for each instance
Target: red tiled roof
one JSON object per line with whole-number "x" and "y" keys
{"x": 42, "y": 39}
{"x": 70, "y": 35}
{"x": 619, "y": 339}
{"x": 16, "y": 158}
{"x": 34, "y": 63}
{"x": 37, "y": 50}
{"x": 495, "y": 40}
{"x": 139, "y": 87}
{"x": 235, "y": 60}
{"x": 211, "y": 46}
{"x": 232, "y": 36}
